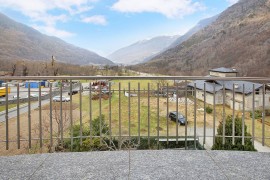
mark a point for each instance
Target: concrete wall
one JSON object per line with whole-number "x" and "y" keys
{"x": 220, "y": 74}
{"x": 209, "y": 97}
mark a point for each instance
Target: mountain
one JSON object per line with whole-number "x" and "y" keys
{"x": 20, "y": 42}
{"x": 239, "y": 38}
{"x": 201, "y": 24}
{"x": 141, "y": 50}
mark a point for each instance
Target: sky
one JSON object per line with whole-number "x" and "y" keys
{"x": 104, "y": 26}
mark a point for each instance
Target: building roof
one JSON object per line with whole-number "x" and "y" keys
{"x": 224, "y": 70}
{"x": 209, "y": 86}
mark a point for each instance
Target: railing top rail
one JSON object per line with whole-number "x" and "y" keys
{"x": 132, "y": 78}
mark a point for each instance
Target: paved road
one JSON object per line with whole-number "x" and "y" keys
{"x": 23, "y": 109}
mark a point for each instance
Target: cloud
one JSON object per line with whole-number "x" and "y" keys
{"x": 97, "y": 19}
{"x": 52, "y": 31}
{"x": 169, "y": 8}
{"x": 231, "y": 2}
{"x": 47, "y": 13}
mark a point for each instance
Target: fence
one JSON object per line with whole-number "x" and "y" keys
{"x": 135, "y": 112}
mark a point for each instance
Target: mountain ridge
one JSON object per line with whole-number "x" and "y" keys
{"x": 239, "y": 38}
{"x": 21, "y": 42}
{"x": 140, "y": 50}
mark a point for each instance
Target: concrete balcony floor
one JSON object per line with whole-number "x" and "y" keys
{"x": 163, "y": 164}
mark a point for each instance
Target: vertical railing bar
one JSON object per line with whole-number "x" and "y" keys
{"x": 29, "y": 118}
{"x": 243, "y": 117}
{"x": 61, "y": 112}
{"x": 148, "y": 114}
{"x": 214, "y": 114}
{"x": 18, "y": 117}
{"x": 120, "y": 123}
{"x": 40, "y": 115}
{"x": 204, "y": 113}
{"x": 71, "y": 117}
{"x": 195, "y": 115}
{"x": 90, "y": 111}
{"x": 233, "y": 124}
{"x": 80, "y": 90}
{"x": 167, "y": 115}
{"x": 51, "y": 127}
{"x": 158, "y": 118}
{"x": 129, "y": 111}
{"x": 263, "y": 117}
{"x": 177, "y": 123}
{"x": 7, "y": 122}
{"x": 139, "y": 114}
{"x": 253, "y": 115}
{"x": 100, "y": 125}
{"x": 186, "y": 94}
{"x": 223, "y": 114}
{"x": 110, "y": 112}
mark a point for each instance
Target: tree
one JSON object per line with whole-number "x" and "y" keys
{"x": 228, "y": 140}
{"x": 13, "y": 69}
{"x": 25, "y": 70}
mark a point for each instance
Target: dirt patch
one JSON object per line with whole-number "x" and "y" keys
{"x": 34, "y": 130}
{"x": 57, "y": 105}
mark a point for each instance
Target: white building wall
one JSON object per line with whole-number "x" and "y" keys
{"x": 238, "y": 99}
{"x": 209, "y": 97}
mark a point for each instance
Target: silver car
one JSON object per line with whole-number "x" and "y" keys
{"x": 58, "y": 99}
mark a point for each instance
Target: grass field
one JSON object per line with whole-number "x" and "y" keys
{"x": 3, "y": 108}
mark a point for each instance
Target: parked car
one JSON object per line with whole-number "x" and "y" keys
{"x": 73, "y": 92}
{"x": 58, "y": 99}
{"x": 32, "y": 95}
{"x": 16, "y": 97}
{"x": 180, "y": 119}
{"x": 106, "y": 91}
{"x": 160, "y": 94}
{"x": 44, "y": 93}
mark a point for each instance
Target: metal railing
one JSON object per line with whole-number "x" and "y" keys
{"x": 131, "y": 111}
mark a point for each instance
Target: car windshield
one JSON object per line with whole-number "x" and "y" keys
{"x": 180, "y": 116}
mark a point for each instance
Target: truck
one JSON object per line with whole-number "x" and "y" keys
{"x": 3, "y": 91}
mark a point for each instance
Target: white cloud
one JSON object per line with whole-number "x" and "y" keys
{"x": 231, "y": 2}
{"x": 52, "y": 31}
{"x": 39, "y": 11}
{"x": 169, "y": 8}
{"x": 97, "y": 19}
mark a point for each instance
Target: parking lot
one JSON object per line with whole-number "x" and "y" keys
{"x": 23, "y": 92}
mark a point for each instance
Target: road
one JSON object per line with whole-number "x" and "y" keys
{"x": 23, "y": 109}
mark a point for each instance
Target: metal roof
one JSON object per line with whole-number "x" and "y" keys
{"x": 248, "y": 86}
{"x": 224, "y": 70}
{"x": 209, "y": 86}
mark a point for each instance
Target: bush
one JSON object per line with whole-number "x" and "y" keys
{"x": 208, "y": 110}
{"x": 228, "y": 140}
{"x": 86, "y": 144}
{"x": 257, "y": 114}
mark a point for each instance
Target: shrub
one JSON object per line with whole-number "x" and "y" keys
{"x": 228, "y": 140}
{"x": 88, "y": 145}
{"x": 257, "y": 114}
{"x": 208, "y": 110}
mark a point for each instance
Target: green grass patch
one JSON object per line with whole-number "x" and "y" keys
{"x": 3, "y": 108}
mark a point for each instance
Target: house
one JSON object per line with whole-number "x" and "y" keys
{"x": 243, "y": 91}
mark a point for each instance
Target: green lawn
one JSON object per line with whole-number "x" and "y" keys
{"x": 3, "y": 108}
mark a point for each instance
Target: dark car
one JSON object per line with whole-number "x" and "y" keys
{"x": 160, "y": 94}
{"x": 181, "y": 119}
{"x": 73, "y": 92}
{"x": 106, "y": 91}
